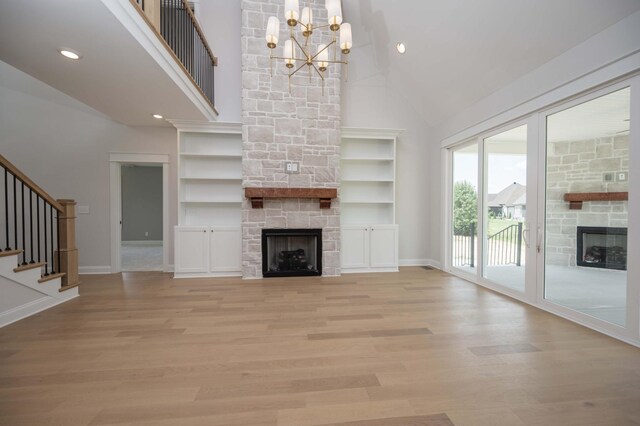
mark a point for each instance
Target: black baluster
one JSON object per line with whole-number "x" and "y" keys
{"x": 15, "y": 212}
{"x": 46, "y": 244}
{"x": 52, "y": 240}
{"x": 6, "y": 207}
{"x": 38, "y": 223}
{"x": 58, "y": 241}
{"x": 24, "y": 243}
{"x": 31, "y": 223}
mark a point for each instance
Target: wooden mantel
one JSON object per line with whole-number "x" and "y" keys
{"x": 575, "y": 199}
{"x": 257, "y": 195}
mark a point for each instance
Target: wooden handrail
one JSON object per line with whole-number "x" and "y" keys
{"x": 156, "y": 29}
{"x": 214, "y": 59}
{"x": 29, "y": 183}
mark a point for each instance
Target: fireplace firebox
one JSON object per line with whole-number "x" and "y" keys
{"x": 291, "y": 252}
{"x": 602, "y": 247}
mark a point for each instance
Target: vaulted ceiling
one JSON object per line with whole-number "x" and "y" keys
{"x": 460, "y": 51}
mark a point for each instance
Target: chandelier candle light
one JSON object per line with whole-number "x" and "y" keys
{"x": 297, "y": 54}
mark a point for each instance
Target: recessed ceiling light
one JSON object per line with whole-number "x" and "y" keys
{"x": 68, "y": 53}
{"x": 401, "y": 48}
{"x": 158, "y": 116}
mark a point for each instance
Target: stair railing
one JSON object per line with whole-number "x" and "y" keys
{"x": 37, "y": 227}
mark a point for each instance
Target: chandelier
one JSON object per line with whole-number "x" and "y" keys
{"x": 298, "y": 53}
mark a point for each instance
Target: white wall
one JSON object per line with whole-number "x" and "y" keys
{"x": 64, "y": 145}
{"x": 220, "y": 21}
{"x": 609, "y": 54}
{"x": 374, "y": 103}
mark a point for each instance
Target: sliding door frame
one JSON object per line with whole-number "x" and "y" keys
{"x": 536, "y": 192}
{"x": 631, "y": 330}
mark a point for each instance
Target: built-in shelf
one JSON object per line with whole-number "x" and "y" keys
{"x": 211, "y": 201}
{"x": 199, "y": 155}
{"x": 221, "y": 178}
{"x": 369, "y": 234}
{"x": 575, "y": 199}
{"x": 367, "y": 180}
{"x": 367, "y": 159}
{"x": 366, "y": 201}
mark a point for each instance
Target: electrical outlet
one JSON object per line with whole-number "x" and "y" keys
{"x": 146, "y": 233}
{"x": 622, "y": 176}
{"x": 291, "y": 167}
{"x": 608, "y": 177}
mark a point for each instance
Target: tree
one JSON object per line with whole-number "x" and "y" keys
{"x": 465, "y": 208}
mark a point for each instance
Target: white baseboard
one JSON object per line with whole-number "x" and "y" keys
{"x": 31, "y": 308}
{"x": 142, "y": 243}
{"x": 90, "y": 270}
{"x": 434, "y": 264}
{"x": 420, "y": 262}
{"x": 413, "y": 262}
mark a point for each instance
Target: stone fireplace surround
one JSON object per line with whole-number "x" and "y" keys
{"x": 281, "y": 124}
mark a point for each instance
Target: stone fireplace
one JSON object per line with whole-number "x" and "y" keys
{"x": 602, "y": 247}
{"x": 583, "y": 167}
{"x": 280, "y": 124}
{"x": 291, "y": 252}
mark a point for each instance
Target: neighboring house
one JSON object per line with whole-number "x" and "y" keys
{"x": 510, "y": 203}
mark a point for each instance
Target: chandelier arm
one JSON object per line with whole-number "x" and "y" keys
{"x": 306, "y": 55}
{"x": 289, "y": 59}
{"x": 321, "y": 26}
{"x": 337, "y": 62}
{"x": 297, "y": 69}
{"x": 318, "y": 71}
{"x": 325, "y": 48}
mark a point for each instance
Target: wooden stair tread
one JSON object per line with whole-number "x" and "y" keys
{"x": 29, "y": 266}
{"x": 67, "y": 287}
{"x": 10, "y": 253}
{"x": 50, "y": 277}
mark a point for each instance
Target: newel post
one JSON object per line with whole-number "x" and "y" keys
{"x": 67, "y": 246}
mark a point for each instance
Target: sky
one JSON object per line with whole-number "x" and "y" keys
{"x": 503, "y": 169}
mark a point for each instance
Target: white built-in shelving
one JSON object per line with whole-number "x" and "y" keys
{"x": 367, "y": 200}
{"x": 210, "y": 199}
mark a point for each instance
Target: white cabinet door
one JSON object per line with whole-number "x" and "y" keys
{"x": 355, "y": 247}
{"x": 225, "y": 252}
{"x": 384, "y": 246}
{"x": 192, "y": 249}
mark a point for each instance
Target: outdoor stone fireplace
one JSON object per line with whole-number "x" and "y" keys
{"x": 582, "y": 167}
{"x": 602, "y": 247}
{"x": 283, "y": 124}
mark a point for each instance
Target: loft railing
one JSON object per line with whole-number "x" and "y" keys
{"x": 177, "y": 26}
{"x": 39, "y": 229}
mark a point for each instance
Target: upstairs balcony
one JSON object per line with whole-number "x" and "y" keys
{"x": 174, "y": 22}
{"x": 137, "y": 57}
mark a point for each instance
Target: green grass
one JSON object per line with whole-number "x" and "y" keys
{"x": 497, "y": 225}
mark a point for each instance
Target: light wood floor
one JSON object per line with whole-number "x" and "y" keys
{"x": 414, "y": 348}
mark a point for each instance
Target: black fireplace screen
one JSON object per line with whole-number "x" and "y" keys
{"x": 291, "y": 252}
{"x": 602, "y": 247}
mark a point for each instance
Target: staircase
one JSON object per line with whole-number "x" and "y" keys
{"x": 38, "y": 256}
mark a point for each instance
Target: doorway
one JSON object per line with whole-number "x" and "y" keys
{"x": 141, "y": 223}
{"x": 135, "y": 214}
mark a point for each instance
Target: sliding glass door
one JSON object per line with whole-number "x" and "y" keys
{"x": 464, "y": 220}
{"x": 543, "y": 209}
{"x": 505, "y": 208}
{"x": 586, "y": 208}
